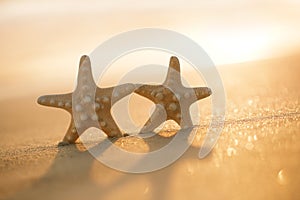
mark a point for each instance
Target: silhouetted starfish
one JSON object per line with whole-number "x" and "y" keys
{"x": 172, "y": 99}
{"x": 92, "y": 112}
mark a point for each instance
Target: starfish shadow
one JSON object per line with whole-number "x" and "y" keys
{"x": 70, "y": 175}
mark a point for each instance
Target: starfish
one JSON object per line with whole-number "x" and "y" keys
{"x": 172, "y": 99}
{"x": 92, "y": 104}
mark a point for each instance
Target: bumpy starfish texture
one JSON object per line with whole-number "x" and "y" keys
{"x": 91, "y": 104}
{"x": 172, "y": 99}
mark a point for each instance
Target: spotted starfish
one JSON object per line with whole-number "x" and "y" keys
{"x": 91, "y": 104}
{"x": 172, "y": 99}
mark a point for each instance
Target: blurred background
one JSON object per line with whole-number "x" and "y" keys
{"x": 42, "y": 41}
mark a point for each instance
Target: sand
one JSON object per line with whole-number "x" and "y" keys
{"x": 256, "y": 157}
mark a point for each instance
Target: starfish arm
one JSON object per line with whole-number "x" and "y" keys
{"x": 149, "y": 92}
{"x": 173, "y": 75}
{"x": 158, "y": 116}
{"x": 176, "y": 118}
{"x": 85, "y": 81}
{"x": 108, "y": 125}
{"x": 63, "y": 101}
{"x": 117, "y": 93}
{"x": 186, "y": 120}
{"x": 202, "y": 92}
{"x": 85, "y": 71}
{"x": 71, "y": 135}
{"x": 183, "y": 117}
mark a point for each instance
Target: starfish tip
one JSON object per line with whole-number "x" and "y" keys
{"x": 209, "y": 91}
{"x": 41, "y": 100}
{"x": 174, "y": 61}
{"x": 83, "y": 58}
{"x": 174, "y": 58}
{"x": 63, "y": 143}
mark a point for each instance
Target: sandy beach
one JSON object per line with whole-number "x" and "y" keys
{"x": 255, "y": 46}
{"x": 256, "y": 157}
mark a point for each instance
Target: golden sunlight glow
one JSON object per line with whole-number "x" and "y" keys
{"x": 235, "y": 47}
{"x": 48, "y": 37}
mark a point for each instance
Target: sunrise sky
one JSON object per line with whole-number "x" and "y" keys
{"x": 42, "y": 41}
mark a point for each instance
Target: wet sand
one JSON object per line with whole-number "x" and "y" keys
{"x": 256, "y": 157}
